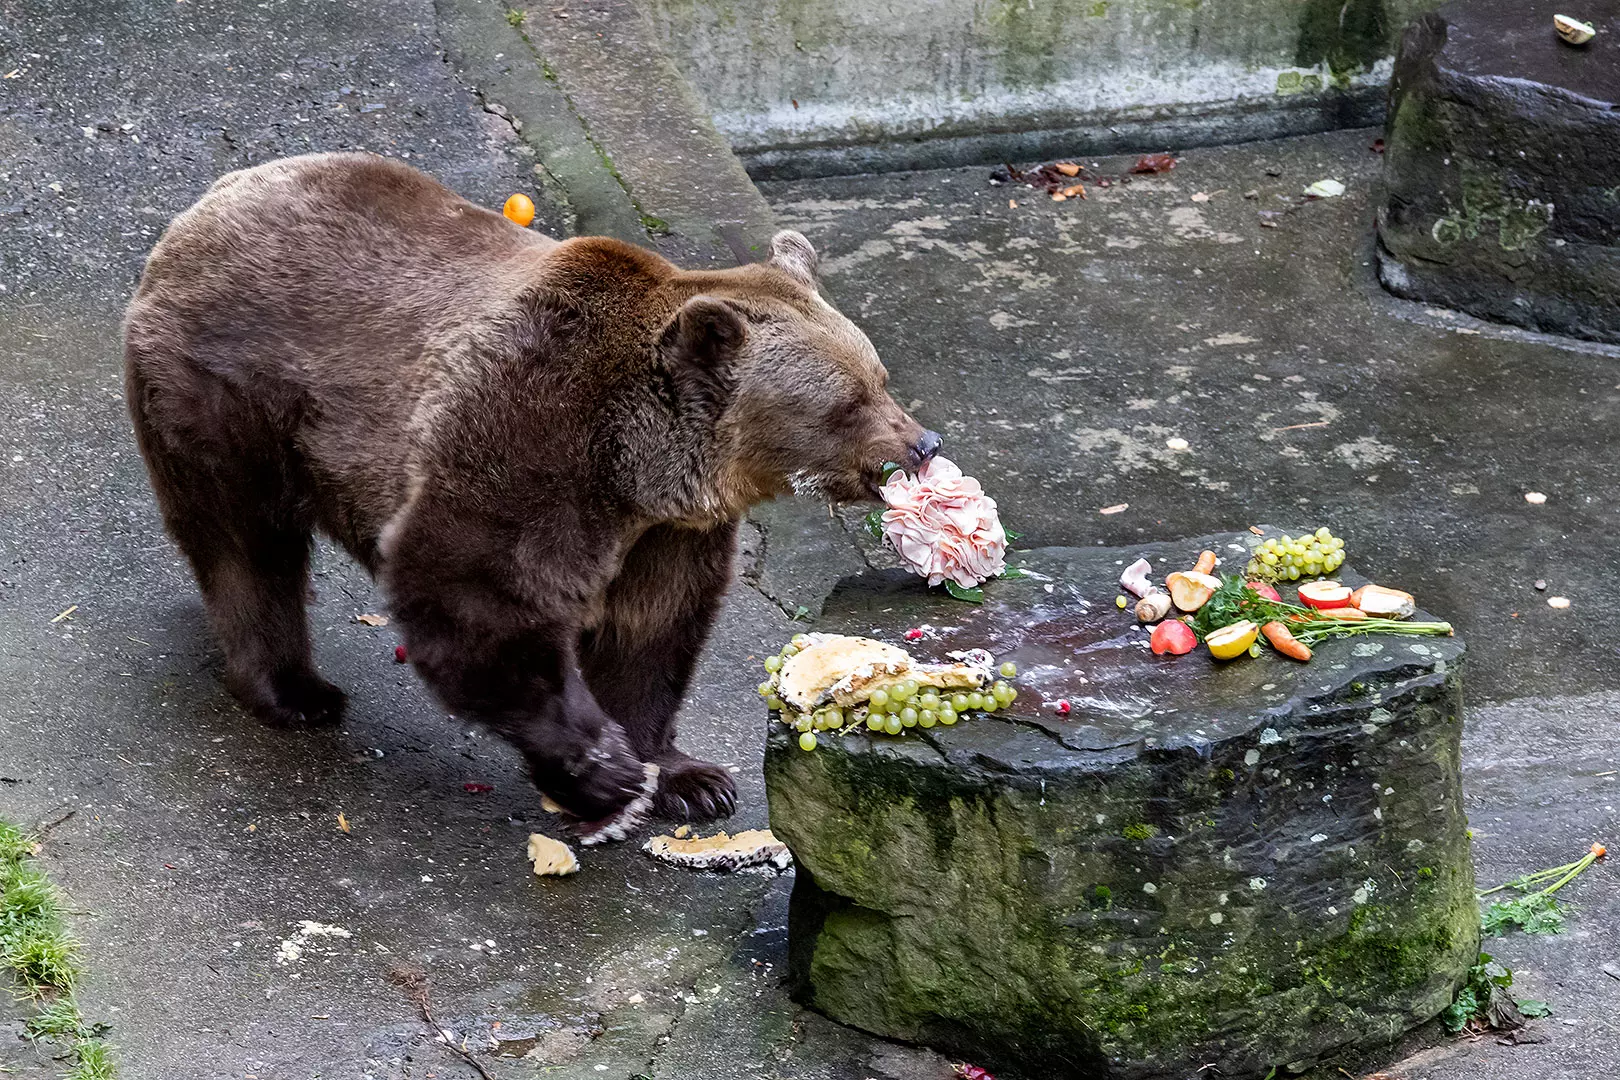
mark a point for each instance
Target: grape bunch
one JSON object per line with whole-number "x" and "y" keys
{"x": 1291, "y": 558}
{"x": 890, "y": 710}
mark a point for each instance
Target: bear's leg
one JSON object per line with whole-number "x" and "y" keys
{"x": 224, "y": 491}
{"x": 639, "y": 662}
{"x": 254, "y": 582}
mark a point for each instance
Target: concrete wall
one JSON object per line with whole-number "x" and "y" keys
{"x": 818, "y": 86}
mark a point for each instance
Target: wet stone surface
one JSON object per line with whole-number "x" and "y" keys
{"x": 1244, "y": 863}
{"x": 1503, "y": 154}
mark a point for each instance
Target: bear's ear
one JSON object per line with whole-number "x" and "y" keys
{"x": 790, "y": 251}
{"x": 705, "y": 332}
{"x": 698, "y": 347}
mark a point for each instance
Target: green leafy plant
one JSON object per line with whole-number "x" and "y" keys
{"x": 1537, "y": 910}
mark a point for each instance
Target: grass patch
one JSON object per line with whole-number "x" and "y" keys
{"x": 43, "y": 960}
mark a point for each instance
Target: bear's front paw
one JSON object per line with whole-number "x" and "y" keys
{"x": 693, "y": 790}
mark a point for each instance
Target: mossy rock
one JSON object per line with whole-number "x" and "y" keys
{"x": 1248, "y": 864}
{"x": 1502, "y": 167}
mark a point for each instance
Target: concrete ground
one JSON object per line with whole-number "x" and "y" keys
{"x": 1058, "y": 346}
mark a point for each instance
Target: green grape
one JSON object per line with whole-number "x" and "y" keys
{"x": 908, "y": 717}
{"x": 773, "y": 664}
{"x": 990, "y": 704}
{"x": 926, "y": 718}
{"x": 807, "y": 741}
{"x": 1009, "y": 670}
{"x": 947, "y": 715}
{"x": 1254, "y": 650}
{"x": 929, "y": 700}
{"x": 767, "y": 688}
{"x": 803, "y": 723}
{"x": 773, "y": 703}
{"x": 874, "y": 721}
{"x": 1003, "y": 694}
{"x": 1253, "y": 569}
{"x": 892, "y": 725}
{"x": 1270, "y": 558}
{"x": 879, "y": 700}
{"x": 1313, "y": 569}
{"x": 799, "y": 641}
{"x": 959, "y": 702}
{"x": 1324, "y": 534}
{"x": 908, "y": 689}
{"x": 1287, "y": 561}
{"x": 975, "y": 700}
{"x": 1012, "y": 695}
{"x": 1293, "y": 573}
{"x": 789, "y": 650}
{"x": 835, "y": 716}
{"x": 1285, "y": 541}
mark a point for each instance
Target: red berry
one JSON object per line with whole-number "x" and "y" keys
{"x": 913, "y": 635}
{"x": 1063, "y": 707}
{"x": 399, "y": 654}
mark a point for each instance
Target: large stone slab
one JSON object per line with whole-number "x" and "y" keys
{"x": 1503, "y": 166}
{"x": 1246, "y": 864}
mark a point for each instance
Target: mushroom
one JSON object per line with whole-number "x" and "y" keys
{"x": 1136, "y": 580}
{"x": 1153, "y": 607}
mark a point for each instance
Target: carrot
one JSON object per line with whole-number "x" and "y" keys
{"x": 1206, "y": 563}
{"x": 1285, "y": 642}
{"x": 1598, "y": 851}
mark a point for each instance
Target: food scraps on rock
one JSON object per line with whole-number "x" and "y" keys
{"x": 834, "y": 683}
{"x": 1234, "y": 615}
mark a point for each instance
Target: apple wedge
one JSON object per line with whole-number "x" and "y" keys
{"x": 1324, "y": 595}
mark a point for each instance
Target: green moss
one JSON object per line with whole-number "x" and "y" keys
{"x": 1102, "y": 898}
{"x": 655, "y": 225}
{"x": 1348, "y": 35}
{"x": 1140, "y": 831}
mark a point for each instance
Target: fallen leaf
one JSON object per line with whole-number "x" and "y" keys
{"x": 1154, "y": 163}
{"x": 343, "y": 822}
{"x": 1377, "y": 147}
{"x": 1257, "y": 530}
{"x": 1067, "y": 168}
{"x": 1325, "y": 189}
{"x": 372, "y": 620}
{"x": 1117, "y": 508}
{"x": 1074, "y": 190}
{"x": 1058, "y": 196}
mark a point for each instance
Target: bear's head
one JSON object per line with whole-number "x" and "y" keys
{"x": 809, "y": 407}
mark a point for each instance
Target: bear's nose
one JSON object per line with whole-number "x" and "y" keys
{"x": 927, "y": 446}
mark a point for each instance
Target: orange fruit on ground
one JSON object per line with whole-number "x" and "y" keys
{"x": 519, "y": 208}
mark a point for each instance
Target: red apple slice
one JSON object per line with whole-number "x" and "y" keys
{"x": 1384, "y": 603}
{"x": 1324, "y": 595}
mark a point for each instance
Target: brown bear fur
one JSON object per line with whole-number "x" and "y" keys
{"x": 542, "y": 450}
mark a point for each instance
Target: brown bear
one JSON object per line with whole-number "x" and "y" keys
{"x": 541, "y": 449}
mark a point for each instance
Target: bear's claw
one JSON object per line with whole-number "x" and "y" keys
{"x": 618, "y": 825}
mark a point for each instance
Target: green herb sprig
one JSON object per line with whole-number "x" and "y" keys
{"x": 1235, "y": 601}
